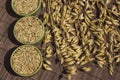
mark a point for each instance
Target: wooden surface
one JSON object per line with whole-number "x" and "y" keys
{"x": 8, "y": 44}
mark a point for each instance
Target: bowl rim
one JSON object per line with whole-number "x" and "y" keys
{"x": 36, "y": 41}
{"x": 27, "y": 75}
{"x": 28, "y": 14}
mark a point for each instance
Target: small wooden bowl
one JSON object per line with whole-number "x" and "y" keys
{"x": 23, "y": 8}
{"x": 29, "y": 30}
{"x": 26, "y": 60}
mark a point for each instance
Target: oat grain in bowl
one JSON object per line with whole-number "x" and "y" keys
{"x": 29, "y": 30}
{"x": 25, "y": 7}
{"x": 26, "y": 60}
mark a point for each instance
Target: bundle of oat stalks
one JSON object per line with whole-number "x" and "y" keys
{"x": 82, "y": 31}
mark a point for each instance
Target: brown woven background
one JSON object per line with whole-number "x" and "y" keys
{"x": 8, "y": 44}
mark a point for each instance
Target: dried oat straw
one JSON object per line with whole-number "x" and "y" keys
{"x": 29, "y": 30}
{"x": 25, "y": 7}
{"x": 83, "y": 31}
{"x": 26, "y": 60}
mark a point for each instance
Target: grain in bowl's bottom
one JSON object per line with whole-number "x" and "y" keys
{"x": 26, "y": 60}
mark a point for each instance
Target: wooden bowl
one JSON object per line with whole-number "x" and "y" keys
{"x": 26, "y": 60}
{"x": 26, "y": 7}
{"x": 29, "y": 30}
